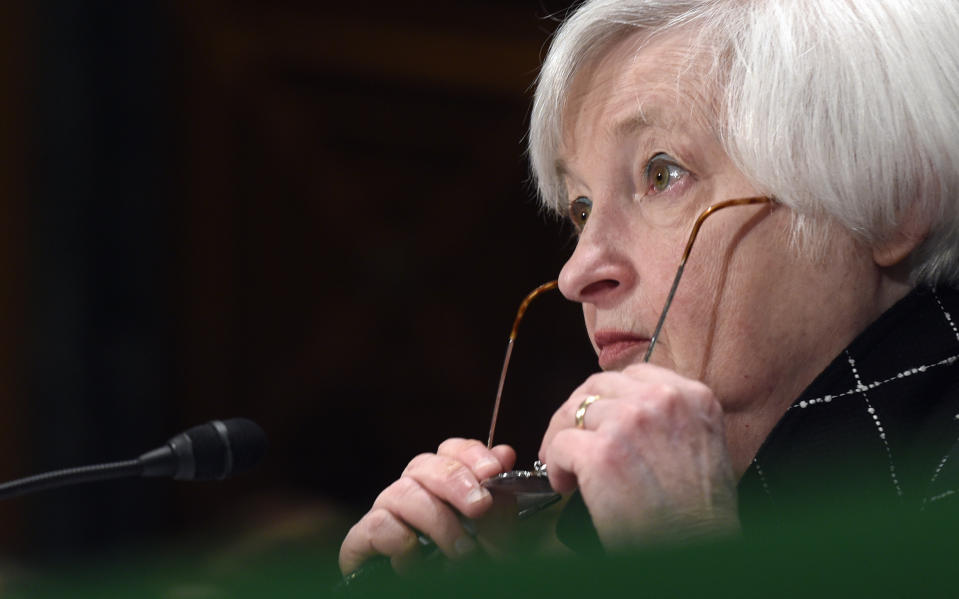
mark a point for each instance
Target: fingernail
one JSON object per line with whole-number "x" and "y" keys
{"x": 464, "y": 546}
{"x": 476, "y": 495}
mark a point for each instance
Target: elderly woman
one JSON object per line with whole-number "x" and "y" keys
{"x": 812, "y": 326}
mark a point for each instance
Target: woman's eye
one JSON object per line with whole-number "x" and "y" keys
{"x": 661, "y": 173}
{"x": 579, "y": 210}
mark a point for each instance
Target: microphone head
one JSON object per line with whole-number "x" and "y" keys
{"x": 248, "y": 442}
{"x": 219, "y": 449}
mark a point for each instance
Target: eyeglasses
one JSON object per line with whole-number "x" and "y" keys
{"x": 530, "y": 488}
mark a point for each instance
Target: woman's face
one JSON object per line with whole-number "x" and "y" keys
{"x": 753, "y": 318}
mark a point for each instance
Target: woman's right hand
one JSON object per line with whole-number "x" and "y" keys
{"x": 427, "y": 497}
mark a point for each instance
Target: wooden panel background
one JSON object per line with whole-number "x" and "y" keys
{"x": 335, "y": 239}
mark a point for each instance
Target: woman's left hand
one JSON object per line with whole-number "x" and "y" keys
{"x": 651, "y": 460}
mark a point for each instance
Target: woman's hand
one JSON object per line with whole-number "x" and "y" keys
{"x": 651, "y": 460}
{"x": 432, "y": 488}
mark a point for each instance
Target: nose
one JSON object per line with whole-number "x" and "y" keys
{"x": 600, "y": 271}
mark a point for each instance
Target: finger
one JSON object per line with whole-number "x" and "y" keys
{"x": 506, "y": 456}
{"x": 664, "y": 376}
{"x": 650, "y": 383}
{"x": 451, "y": 481}
{"x": 614, "y": 413}
{"x": 422, "y": 510}
{"x": 662, "y": 393}
{"x": 604, "y": 386}
{"x": 647, "y": 371}
{"x": 379, "y": 532}
{"x": 565, "y": 458}
{"x": 483, "y": 462}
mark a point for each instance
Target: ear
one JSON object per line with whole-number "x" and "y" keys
{"x": 905, "y": 238}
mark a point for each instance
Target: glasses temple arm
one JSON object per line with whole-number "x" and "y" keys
{"x": 682, "y": 263}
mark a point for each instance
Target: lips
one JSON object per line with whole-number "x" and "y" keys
{"x": 619, "y": 349}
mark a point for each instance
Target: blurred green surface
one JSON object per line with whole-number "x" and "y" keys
{"x": 851, "y": 552}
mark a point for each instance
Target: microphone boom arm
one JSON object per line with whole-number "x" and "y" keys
{"x": 211, "y": 451}
{"x": 70, "y": 476}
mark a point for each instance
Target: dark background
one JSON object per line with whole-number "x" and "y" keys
{"x": 315, "y": 215}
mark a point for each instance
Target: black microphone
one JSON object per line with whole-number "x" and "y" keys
{"x": 211, "y": 451}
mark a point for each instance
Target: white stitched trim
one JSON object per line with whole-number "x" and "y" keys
{"x": 942, "y": 495}
{"x": 947, "y": 315}
{"x": 939, "y": 468}
{"x": 762, "y": 477}
{"x": 875, "y": 418}
{"x": 942, "y": 463}
{"x": 806, "y": 403}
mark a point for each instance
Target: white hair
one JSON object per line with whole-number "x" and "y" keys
{"x": 842, "y": 108}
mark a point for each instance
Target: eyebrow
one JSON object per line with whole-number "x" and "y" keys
{"x": 636, "y": 121}
{"x": 644, "y": 119}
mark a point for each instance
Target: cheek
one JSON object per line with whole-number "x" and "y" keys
{"x": 698, "y": 289}
{"x": 699, "y": 315}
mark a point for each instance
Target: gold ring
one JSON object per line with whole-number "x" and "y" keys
{"x": 581, "y": 412}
